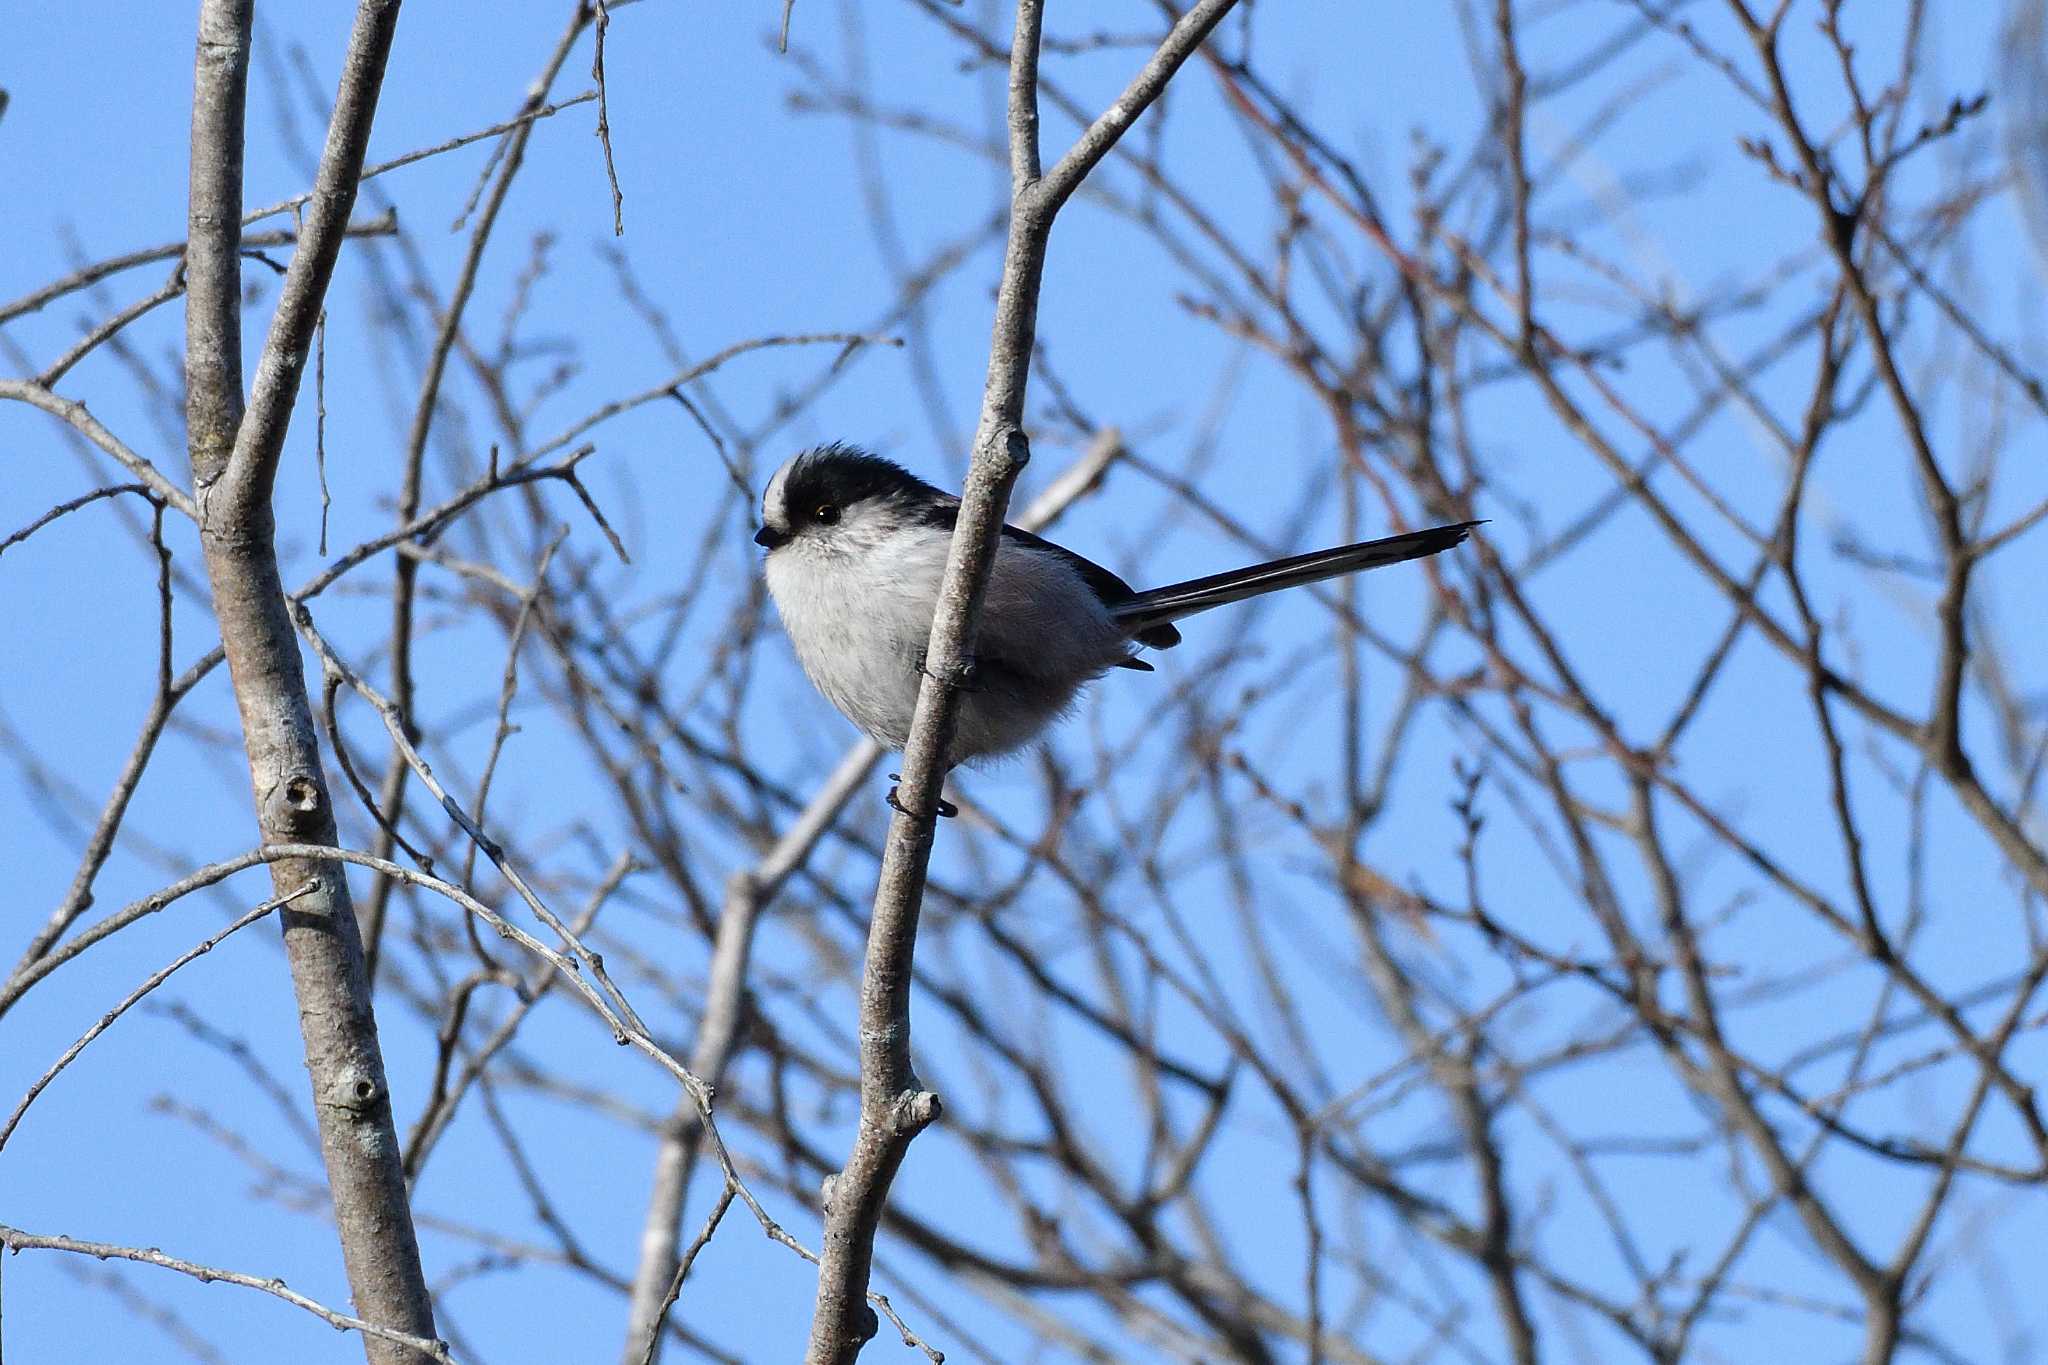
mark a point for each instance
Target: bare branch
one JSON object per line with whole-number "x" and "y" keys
{"x": 157, "y": 978}
{"x": 259, "y": 440}
{"x": 894, "y": 1106}
{"x": 234, "y": 463}
{"x": 431, "y": 1348}
{"x": 73, "y": 412}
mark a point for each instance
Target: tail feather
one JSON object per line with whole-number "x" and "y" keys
{"x": 1150, "y": 611}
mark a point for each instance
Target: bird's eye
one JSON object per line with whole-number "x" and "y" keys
{"x": 826, "y": 514}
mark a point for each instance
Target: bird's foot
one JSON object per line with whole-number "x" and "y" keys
{"x": 967, "y": 678}
{"x": 947, "y": 810}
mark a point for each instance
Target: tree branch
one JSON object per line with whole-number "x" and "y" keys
{"x": 260, "y": 440}
{"x": 157, "y": 978}
{"x": 894, "y": 1108}
{"x": 213, "y": 237}
{"x": 234, "y": 456}
{"x": 430, "y": 1348}
{"x": 73, "y": 413}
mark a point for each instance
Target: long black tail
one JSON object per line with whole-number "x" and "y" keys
{"x": 1146, "y": 611}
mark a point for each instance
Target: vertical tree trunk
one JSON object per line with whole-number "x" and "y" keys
{"x": 234, "y": 456}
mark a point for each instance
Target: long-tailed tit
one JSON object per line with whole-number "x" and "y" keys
{"x": 857, "y": 549}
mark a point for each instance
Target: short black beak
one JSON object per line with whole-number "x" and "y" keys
{"x": 770, "y": 537}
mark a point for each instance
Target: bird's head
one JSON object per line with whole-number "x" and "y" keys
{"x": 841, "y": 497}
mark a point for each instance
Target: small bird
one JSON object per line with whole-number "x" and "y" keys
{"x": 857, "y": 550}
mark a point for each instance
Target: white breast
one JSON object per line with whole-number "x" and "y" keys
{"x": 859, "y": 623}
{"x": 858, "y": 609}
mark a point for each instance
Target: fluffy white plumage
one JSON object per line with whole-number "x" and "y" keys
{"x": 857, "y": 604}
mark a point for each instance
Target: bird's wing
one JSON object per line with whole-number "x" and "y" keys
{"x": 1141, "y": 612}
{"x": 1110, "y": 590}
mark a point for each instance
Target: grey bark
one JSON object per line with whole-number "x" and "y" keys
{"x": 234, "y": 453}
{"x": 894, "y": 1108}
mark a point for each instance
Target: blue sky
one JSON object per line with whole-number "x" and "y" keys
{"x": 744, "y": 216}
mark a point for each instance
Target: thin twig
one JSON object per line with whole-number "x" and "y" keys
{"x": 604, "y": 125}
{"x": 99, "y": 335}
{"x": 452, "y": 144}
{"x": 688, "y": 1258}
{"x": 72, "y": 505}
{"x": 17, "y": 1240}
{"x": 894, "y": 1106}
{"x": 106, "y": 1021}
{"x": 73, "y": 412}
